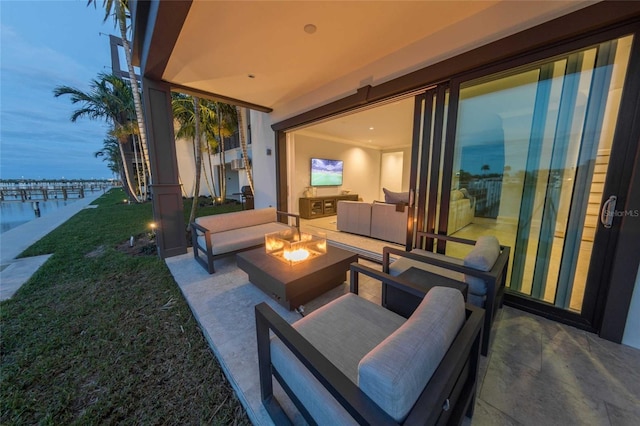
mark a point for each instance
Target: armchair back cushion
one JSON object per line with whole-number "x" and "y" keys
{"x": 484, "y": 254}
{"x": 396, "y": 371}
{"x": 236, "y": 220}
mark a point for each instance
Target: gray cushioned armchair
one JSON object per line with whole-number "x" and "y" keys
{"x": 484, "y": 269}
{"x": 354, "y": 362}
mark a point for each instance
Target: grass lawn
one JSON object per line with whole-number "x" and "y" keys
{"x": 98, "y": 336}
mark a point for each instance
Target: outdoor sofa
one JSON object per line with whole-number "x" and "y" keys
{"x": 354, "y": 362}
{"x": 223, "y": 234}
{"x": 484, "y": 269}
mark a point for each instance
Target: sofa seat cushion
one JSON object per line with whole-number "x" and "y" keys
{"x": 236, "y": 220}
{"x": 477, "y": 286}
{"x": 241, "y": 238}
{"x": 396, "y": 371}
{"x": 344, "y": 331}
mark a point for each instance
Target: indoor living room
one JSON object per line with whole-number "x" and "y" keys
{"x": 372, "y": 149}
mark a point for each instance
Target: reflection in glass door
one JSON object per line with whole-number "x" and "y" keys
{"x": 530, "y": 160}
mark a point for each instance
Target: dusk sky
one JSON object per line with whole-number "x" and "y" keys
{"x": 44, "y": 44}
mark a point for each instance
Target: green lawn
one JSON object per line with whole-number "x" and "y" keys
{"x": 98, "y": 336}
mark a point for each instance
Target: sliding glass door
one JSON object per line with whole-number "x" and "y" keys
{"x": 525, "y": 158}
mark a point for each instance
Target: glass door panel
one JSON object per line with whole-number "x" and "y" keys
{"x": 529, "y": 165}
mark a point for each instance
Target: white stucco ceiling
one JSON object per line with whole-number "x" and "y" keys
{"x": 356, "y": 43}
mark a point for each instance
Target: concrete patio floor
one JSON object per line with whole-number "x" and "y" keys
{"x": 538, "y": 372}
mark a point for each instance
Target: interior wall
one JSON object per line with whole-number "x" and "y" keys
{"x": 390, "y": 164}
{"x": 396, "y": 164}
{"x": 361, "y": 168}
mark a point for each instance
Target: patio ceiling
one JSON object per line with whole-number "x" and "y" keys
{"x": 259, "y": 52}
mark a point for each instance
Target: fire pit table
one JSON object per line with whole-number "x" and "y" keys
{"x": 293, "y": 285}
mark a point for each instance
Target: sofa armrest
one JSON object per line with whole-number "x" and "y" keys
{"x": 293, "y": 215}
{"x": 354, "y": 401}
{"x": 198, "y": 231}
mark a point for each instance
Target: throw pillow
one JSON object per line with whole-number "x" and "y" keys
{"x": 395, "y": 197}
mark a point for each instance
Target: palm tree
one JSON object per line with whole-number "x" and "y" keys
{"x": 109, "y": 99}
{"x": 224, "y": 125}
{"x": 193, "y": 115}
{"x": 119, "y": 10}
{"x": 111, "y": 154}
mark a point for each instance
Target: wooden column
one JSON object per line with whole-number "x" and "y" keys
{"x": 165, "y": 188}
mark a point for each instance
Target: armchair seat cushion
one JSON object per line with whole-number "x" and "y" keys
{"x": 344, "y": 331}
{"x": 477, "y": 286}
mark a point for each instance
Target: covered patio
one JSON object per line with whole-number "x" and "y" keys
{"x": 537, "y": 371}
{"x": 295, "y": 63}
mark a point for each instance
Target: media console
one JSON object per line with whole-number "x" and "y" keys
{"x": 315, "y": 207}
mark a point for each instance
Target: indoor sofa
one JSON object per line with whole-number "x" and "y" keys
{"x": 387, "y": 222}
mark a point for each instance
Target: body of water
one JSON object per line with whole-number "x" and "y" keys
{"x": 16, "y": 213}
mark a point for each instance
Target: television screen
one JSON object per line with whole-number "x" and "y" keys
{"x": 326, "y": 172}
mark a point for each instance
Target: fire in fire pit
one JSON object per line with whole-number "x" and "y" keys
{"x": 293, "y": 247}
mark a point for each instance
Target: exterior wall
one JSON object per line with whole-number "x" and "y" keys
{"x": 264, "y": 160}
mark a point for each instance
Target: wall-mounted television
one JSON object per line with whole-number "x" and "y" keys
{"x": 326, "y": 172}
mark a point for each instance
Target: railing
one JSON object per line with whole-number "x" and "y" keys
{"x": 27, "y": 191}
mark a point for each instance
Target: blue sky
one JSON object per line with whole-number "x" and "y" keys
{"x": 44, "y": 44}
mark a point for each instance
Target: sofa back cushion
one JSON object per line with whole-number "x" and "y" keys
{"x": 395, "y": 197}
{"x": 229, "y": 221}
{"x": 396, "y": 371}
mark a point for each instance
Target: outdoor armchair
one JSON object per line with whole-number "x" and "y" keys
{"x": 354, "y": 362}
{"x": 484, "y": 269}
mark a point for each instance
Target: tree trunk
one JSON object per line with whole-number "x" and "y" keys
{"x": 122, "y": 21}
{"x": 127, "y": 182}
{"x": 198, "y": 159}
{"x": 243, "y": 147}
{"x": 222, "y": 166}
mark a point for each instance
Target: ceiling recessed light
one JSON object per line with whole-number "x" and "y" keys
{"x": 310, "y": 28}
{"x": 371, "y": 128}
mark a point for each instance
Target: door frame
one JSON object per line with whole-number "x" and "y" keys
{"x": 618, "y": 179}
